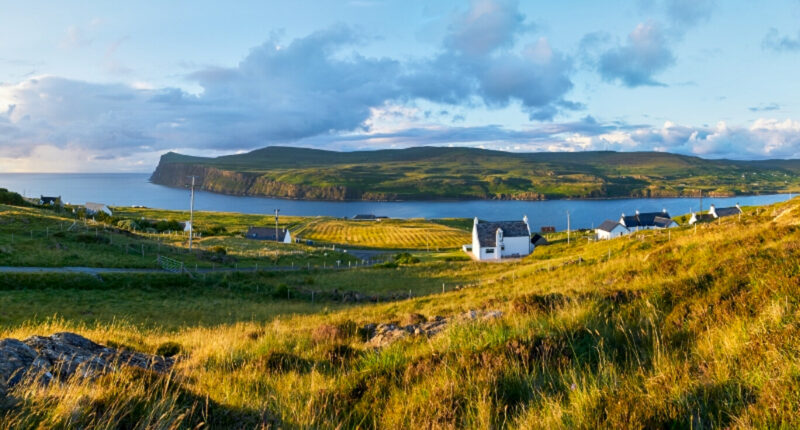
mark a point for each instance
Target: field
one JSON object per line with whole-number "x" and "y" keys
{"x": 695, "y": 328}
{"x": 387, "y": 234}
{"x": 425, "y": 173}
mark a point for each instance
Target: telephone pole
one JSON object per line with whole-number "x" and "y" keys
{"x": 191, "y": 214}
{"x": 567, "y": 227}
{"x": 276, "y": 225}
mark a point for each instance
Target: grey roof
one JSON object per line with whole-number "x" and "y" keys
{"x": 703, "y": 217}
{"x": 608, "y": 225}
{"x": 646, "y": 219}
{"x": 95, "y": 206}
{"x": 539, "y": 240}
{"x": 265, "y": 233}
{"x": 46, "y": 199}
{"x": 662, "y": 222}
{"x": 733, "y": 210}
{"x": 487, "y": 231}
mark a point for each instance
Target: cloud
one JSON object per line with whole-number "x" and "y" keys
{"x": 688, "y": 13}
{"x": 75, "y": 37}
{"x": 765, "y": 107}
{"x": 776, "y": 42}
{"x": 485, "y": 27}
{"x": 636, "y": 62}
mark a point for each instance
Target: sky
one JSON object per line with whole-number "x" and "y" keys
{"x": 110, "y": 86}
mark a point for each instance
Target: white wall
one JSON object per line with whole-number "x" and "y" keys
{"x": 615, "y": 232}
{"x": 516, "y": 245}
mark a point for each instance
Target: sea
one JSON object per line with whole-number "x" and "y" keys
{"x": 135, "y": 189}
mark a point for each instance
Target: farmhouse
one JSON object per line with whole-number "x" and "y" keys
{"x": 50, "y": 201}
{"x": 647, "y": 221}
{"x": 723, "y": 212}
{"x": 610, "y": 229}
{"x": 94, "y": 208}
{"x": 502, "y": 239}
{"x": 268, "y": 233}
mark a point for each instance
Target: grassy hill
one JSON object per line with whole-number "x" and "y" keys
{"x": 468, "y": 173}
{"x": 698, "y": 328}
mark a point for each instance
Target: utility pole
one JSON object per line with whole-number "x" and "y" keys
{"x": 191, "y": 214}
{"x": 567, "y": 227}
{"x": 276, "y": 225}
{"x": 701, "y": 201}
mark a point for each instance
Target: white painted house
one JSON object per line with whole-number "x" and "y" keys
{"x": 610, "y": 230}
{"x": 268, "y": 233}
{"x": 647, "y": 221}
{"x": 714, "y": 213}
{"x": 93, "y": 208}
{"x": 501, "y": 239}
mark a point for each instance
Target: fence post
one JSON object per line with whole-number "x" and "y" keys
{"x": 142, "y": 250}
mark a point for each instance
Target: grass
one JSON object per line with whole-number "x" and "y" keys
{"x": 387, "y": 234}
{"x": 697, "y": 328}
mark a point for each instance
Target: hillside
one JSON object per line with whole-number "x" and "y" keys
{"x": 425, "y": 173}
{"x": 699, "y": 328}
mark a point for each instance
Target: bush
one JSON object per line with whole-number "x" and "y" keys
{"x": 169, "y": 349}
{"x": 128, "y": 224}
{"x": 218, "y": 250}
{"x": 405, "y": 258}
{"x": 215, "y": 230}
{"x": 386, "y": 265}
{"x": 11, "y": 198}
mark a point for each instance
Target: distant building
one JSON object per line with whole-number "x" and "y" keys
{"x": 50, "y": 201}
{"x": 548, "y": 229}
{"x": 502, "y": 239}
{"x": 611, "y": 229}
{"x": 714, "y": 213}
{"x": 368, "y": 217}
{"x": 647, "y": 221}
{"x": 94, "y": 208}
{"x": 268, "y": 234}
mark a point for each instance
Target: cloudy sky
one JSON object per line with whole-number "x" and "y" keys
{"x": 103, "y": 86}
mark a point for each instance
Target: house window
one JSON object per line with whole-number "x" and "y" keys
{"x": 490, "y": 250}
{"x": 502, "y": 247}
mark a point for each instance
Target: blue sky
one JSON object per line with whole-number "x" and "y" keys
{"x": 102, "y": 86}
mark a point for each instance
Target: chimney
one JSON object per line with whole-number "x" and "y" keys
{"x": 664, "y": 210}
{"x": 525, "y": 218}
{"x": 475, "y": 222}
{"x": 637, "y": 211}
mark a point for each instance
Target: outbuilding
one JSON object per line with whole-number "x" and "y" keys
{"x": 610, "y": 229}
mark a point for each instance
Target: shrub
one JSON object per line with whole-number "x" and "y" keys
{"x": 11, "y": 198}
{"x": 218, "y": 250}
{"x": 405, "y": 258}
{"x": 169, "y": 349}
{"x": 215, "y": 230}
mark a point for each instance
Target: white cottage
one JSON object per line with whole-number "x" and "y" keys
{"x": 714, "y": 213}
{"x": 501, "y": 239}
{"x": 647, "y": 221}
{"x": 610, "y": 230}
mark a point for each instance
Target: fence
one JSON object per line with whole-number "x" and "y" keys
{"x": 170, "y": 265}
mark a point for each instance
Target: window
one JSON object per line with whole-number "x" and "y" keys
{"x": 502, "y": 247}
{"x": 490, "y": 250}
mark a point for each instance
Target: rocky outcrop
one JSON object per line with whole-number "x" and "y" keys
{"x": 382, "y": 335}
{"x": 64, "y": 355}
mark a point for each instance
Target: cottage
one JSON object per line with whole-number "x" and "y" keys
{"x": 50, "y": 201}
{"x": 610, "y": 229}
{"x": 94, "y": 208}
{"x": 698, "y": 217}
{"x": 268, "y": 233}
{"x": 647, "y": 221}
{"x": 723, "y": 212}
{"x": 502, "y": 239}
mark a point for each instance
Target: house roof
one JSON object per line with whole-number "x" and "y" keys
{"x": 47, "y": 199}
{"x": 364, "y": 216}
{"x": 487, "y": 231}
{"x": 662, "y": 222}
{"x": 539, "y": 240}
{"x": 609, "y": 225}
{"x": 733, "y": 210}
{"x": 703, "y": 217}
{"x": 266, "y": 233}
{"x": 646, "y": 219}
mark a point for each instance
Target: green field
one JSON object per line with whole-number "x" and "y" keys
{"x": 695, "y": 328}
{"x": 425, "y": 173}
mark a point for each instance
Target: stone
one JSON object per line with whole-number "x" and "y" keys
{"x": 64, "y": 355}
{"x": 384, "y": 334}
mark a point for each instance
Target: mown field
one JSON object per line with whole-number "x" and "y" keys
{"x": 698, "y": 328}
{"x": 389, "y": 234}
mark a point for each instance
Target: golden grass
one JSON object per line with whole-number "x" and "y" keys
{"x": 392, "y": 234}
{"x": 695, "y": 329}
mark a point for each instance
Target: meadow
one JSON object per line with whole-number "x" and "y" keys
{"x": 692, "y": 328}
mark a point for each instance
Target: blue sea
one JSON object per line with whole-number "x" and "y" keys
{"x": 128, "y": 189}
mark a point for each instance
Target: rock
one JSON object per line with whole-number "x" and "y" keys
{"x": 382, "y": 335}
{"x": 64, "y": 355}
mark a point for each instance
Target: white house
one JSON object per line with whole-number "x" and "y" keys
{"x": 610, "y": 229}
{"x": 647, "y": 221}
{"x": 94, "y": 208}
{"x": 723, "y": 212}
{"x": 502, "y": 239}
{"x": 268, "y": 233}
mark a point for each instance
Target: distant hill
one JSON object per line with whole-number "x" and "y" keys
{"x": 427, "y": 173}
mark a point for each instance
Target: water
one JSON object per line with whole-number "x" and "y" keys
{"x": 127, "y": 189}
